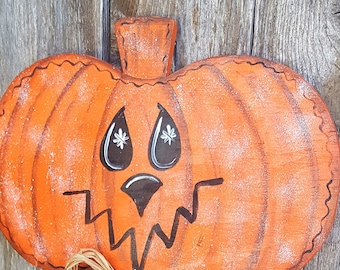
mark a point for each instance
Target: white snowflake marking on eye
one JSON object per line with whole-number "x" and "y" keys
{"x": 168, "y": 135}
{"x": 120, "y": 138}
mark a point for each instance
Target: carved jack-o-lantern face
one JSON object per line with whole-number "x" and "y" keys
{"x": 229, "y": 163}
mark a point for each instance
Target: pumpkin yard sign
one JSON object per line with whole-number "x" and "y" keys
{"x": 229, "y": 163}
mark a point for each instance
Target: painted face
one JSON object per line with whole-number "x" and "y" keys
{"x": 164, "y": 152}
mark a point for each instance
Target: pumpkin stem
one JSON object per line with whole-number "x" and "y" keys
{"x": 146, "y": 46}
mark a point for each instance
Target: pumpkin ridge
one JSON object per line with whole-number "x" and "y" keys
{"x": 219, "y": 61}
{"x": 175, "y": 261}
{"x": 308, "y": 143}
{"x": 279, "y": 79}
{"x": 22, "y": 142}
{"x": 38, "y": 150}
{"x": 321, "y": 128}
{"x": 254, "y": 257}
{"x": 22, "y": 138}
{"x": 3, "y": 149}
{"x": 315, "y": 100}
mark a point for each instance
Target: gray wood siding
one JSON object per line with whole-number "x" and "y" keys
{"x": 304, "y": 35}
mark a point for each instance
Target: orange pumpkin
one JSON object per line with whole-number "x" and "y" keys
{"x": 229, "y": 163}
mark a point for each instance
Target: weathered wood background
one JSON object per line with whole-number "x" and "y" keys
{"x": 305, "y": 35}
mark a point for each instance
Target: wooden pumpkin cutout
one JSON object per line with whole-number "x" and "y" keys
{"x": 229, "y": 163}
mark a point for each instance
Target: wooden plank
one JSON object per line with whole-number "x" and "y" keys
{"x": 36, "y": 29}
{"x": 33, "y": 29}
{"x": 205, "y": 28}
{"x": 305, "y": 36}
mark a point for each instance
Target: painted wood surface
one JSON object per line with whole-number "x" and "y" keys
{"x": 301, "y": 34}
{"x": 31, "y": 30}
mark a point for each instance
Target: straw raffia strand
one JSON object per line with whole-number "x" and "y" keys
{"x": 91, "y": 257}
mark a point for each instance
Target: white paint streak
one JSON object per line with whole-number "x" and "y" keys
{"x": 236, "y": 149}
{"x": 285, "y": 254}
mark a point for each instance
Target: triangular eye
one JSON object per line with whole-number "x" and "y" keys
{"x": 165, "y": 143}
{"x": 116, "y": 146}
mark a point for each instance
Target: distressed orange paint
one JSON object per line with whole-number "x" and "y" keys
{"x": 229, "y": 163}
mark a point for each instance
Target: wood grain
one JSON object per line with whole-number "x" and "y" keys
{"x": 33, "y": 29}
{"x": 301, "y": 34}
{"x": 205, "y": 28}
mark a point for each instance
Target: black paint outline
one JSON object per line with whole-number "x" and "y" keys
{"x": 153, "y": 142}
{"x": 145, "y": 182}
{"x": 156, "y": 229}
{"x": 106, "y": 142}
{"x": 310, "y": 250}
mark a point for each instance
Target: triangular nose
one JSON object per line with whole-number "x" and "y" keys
{"x": 141, "y": 188}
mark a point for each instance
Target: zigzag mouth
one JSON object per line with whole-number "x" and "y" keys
{"x": 155, "y": 230}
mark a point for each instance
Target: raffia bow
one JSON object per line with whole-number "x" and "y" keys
{"x": 91, "y": 257}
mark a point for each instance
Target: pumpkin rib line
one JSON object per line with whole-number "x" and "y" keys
{"x": 23, "y": 138}
{"x": 39, "y": 147}
{"x": 307, "y": 141}
{"x": 254, "y": 257}
{"x": 314, "y": 99}
{"x": 321, "y": 128}
{"x": 329, "y": 164}
{"x": 10, "y": 125}
{"x": 175, "y": 262}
